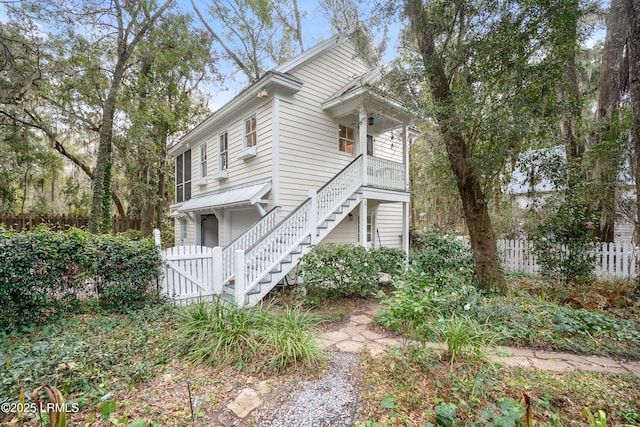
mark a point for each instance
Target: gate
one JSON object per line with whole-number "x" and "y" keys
{"x": 189, "y": 273}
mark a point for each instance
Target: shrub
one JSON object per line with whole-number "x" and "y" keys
{"x": 442, "y": 258}
{"x": 563, "y": 244}
{"x": 43, "y": 272}
{"x": 125, "y": 270}
{"x": 344, "y": 270}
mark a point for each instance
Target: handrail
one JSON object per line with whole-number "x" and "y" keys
{"x": 246, "y": 239}
{"x": 274, "y": 246}
{"x": 279, "y": 223}
{"x": 271, "y": 211}
{"x": 339, "y": 173}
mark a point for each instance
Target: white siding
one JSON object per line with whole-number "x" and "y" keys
{"x": 389, "y": 225}
{"x": 240, "y": 171}
{"x": 346, "y": 231}
{"x": 180, "y": 224}
{"x": 388, "y": 145}
{"x": 309, "y": 153}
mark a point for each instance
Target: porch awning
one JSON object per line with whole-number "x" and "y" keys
{"x": 245, "y": 195}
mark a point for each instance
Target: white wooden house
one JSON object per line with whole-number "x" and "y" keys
{"x": 534, "y": 179}
{"x": 314, "y": 151}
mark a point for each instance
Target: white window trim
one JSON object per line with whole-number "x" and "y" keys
{"x": 353, "y": 141}
{"x": 244, "y": 131}
{"x": 203, "y": 160}
{"x": 222, "y": 173}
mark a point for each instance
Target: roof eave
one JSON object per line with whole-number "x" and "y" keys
{"x": 271, "y": 81}
{"x": 363, "y": 94}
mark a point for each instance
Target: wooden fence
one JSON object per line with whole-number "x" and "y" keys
{"x": 612, "y": 260}
{"x": 63, "y": 222}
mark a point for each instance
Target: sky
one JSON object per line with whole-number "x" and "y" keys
{"x": 315, "y": 28}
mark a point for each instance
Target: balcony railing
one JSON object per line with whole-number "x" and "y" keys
{"x": 386, "y": 174}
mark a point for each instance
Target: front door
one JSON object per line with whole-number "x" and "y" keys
{"x": 209, "y": 230}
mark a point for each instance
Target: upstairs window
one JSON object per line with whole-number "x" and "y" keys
{"x": 183, "y": 177}
{"x": 250, "y": 133}
{"x": 203, "y": 160}
{"x": 223, "y": 150}
{"x": 346, "y": 139}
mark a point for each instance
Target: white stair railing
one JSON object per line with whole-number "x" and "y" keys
{"x": 331, "y": 195}
{"x": 245, "y": 240}
{"x": 295, "y": 228}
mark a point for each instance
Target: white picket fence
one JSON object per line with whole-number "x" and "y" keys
{"x": 612, "y": 260}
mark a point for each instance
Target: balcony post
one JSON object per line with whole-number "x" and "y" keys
{"x": 362, "y": 144}
{"x": 405, "y": 156}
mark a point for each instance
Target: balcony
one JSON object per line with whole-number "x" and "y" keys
{"x": 386, "y": 174}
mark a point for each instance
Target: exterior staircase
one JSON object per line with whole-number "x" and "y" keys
{"x": 249, "y": 267}
{"x": 261, "y": 257}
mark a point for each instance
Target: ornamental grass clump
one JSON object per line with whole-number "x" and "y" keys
{"x": 220, "y": 333}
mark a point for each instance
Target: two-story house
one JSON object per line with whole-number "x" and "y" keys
{"x": 314, "y": 151}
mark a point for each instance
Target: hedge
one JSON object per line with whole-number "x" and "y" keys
{"x": 43, "y": 273}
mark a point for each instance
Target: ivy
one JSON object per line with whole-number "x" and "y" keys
{"x": 43, "y": 273}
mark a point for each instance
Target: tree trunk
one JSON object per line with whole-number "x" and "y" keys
{"x": 101, "y": 201}
{"x": 632, "y": 8}
{"x": 609, "y": 89}
{"x": 476, "y": 213}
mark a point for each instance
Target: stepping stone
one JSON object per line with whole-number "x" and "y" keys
{"x": 336, "y": 336}
{"x": 597, "y": 368}
{"x": 633, "y": 367}
{"x": 349, "y": 346}
{"x": 247, "y": 401}
{"x": 354, "y": 330}
{"x": 361, "y": 319}
{"x": 551, "y": 365}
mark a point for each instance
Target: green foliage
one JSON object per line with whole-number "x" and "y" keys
{"x": 86, "y": 357}
{"x": 464, "y": 336}
{"x": 336, "y": 271}
{"x": 45, "y": 272}
{"x": 442, "y": 258}
{"x": 435, "y": 300}
{"x": 507, "y": 413}
{"x": 423, "y": 310}
{"x": 445, "y": 414}
{"x": 221, "y": 333}
{"x": 563, "y": 243}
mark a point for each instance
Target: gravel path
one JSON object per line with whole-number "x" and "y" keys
{"x": 331, "y": 401}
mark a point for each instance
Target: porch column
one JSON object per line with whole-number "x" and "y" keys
{"x": 405, "y": 227}
{"x": 362, "y": 144}
{"x": 362, "y": 214}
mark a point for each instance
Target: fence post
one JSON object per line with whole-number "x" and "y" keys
{"x": 156, "y": 238}
{"x": 313, "y": 216}
{"x": 240, "y": 285}
{"x": 160, "y": 282}
{"x": 216, "y": 270}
